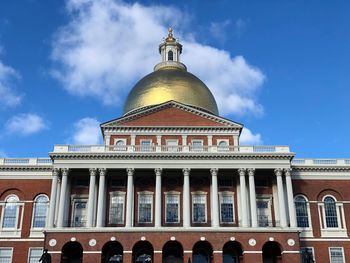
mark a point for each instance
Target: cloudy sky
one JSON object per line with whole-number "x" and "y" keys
{"x": 279, "y": 67}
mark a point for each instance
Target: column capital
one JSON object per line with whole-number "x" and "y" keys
{"x": 214, "y": 171}
{"x": 93, "y": 171}
{"x": 278, "y": 172}
{"x": 130, "y": 171}
{"x": 65, "y": 171}
{"x": 55, "y": 172}
{"x": 158, "y": 171}
{"x": 251, "y": 171}
{"x": 288, "y": 171}
{"x": 242, "y": 171}
{"x": 186, "y": 171}
{"x": 102, "y": 171}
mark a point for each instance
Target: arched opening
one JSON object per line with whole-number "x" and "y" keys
{"x": 202, "y": 252}
{"x": 72, "y": 252}
{"x": 232, "y": 252}
{"x": 173, "y": 252}
{"x": 112, "y": 251}
{"x": 170, "y": 55}
{"x": 142, "y": 252}
{"x": 271, "y": 252}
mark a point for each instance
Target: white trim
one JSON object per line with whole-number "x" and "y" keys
{"x": 252, "y": 252}
{"x": 166, "y": 194}
{"x": 138, "y": 206}
{"x": 21, "y": 240}
{"x": 308, "y": 213}
{"x": 290, "y": 252}
{"x": 33, "y": 212}
{"x": 329, "y": 253}
{"x": 19, "y": 211}
{"x": 116, "y": 194}
{"x": 8, "y": 248}
{"x": 31, "y": 248}
{"x": 326, "y": 239}
{"x": 205, "y": 204}
{"x": 75, "y": 199}
{"x": 232, "y": 194}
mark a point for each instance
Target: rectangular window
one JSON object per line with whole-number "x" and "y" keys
{"x": 5, "y": 255}
{"x": 145, "y": 208}
{"x": 146, "y": 145}
{"x": 263, "y": 212}
{"x": 197, "y": 145}
{"x": 172, "y": 145}
{"x": 307, "y": 254}
{"x": 336, "y": 255}
{"x": 226, "y": 208}
{"x": 34, "y": 255}
{"x": 172, "y": 206}
{"x": 79, "y": 213}
{"x": 116, "y": 208}
{"x": 199, "y": 208}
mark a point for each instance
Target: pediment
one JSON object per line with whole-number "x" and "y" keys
{"x": 172, "y": 114}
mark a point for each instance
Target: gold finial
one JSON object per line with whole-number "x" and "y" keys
{"x": 170, "y": 36}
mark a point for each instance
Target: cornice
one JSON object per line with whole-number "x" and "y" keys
{"x": 171, "y": 129}
{"x": 321, "y": 168}
{"x": 45, "y": 168}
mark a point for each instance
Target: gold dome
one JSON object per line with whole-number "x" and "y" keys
{"x": 170, "y": 83}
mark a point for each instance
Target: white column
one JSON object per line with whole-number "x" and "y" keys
{"x": 158, "y": 203}
{"x": 61, "y": 208}
{"x": 53, "y": 196}
{"x": 133, "y": 140}
{"x": 291, "y": 207}
{"x": 252, "y": 198}
{"x": 101, "y": 198}
{"x": 90, "y": 215}
{"x": 243, "y": 189}
{"x": 129, "y": 197}
{"x": 186, "y": 214}
{"x": 214, "y": 198}
{"x": 281, "y": 202}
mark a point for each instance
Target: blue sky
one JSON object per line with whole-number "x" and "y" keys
{"x": 279, "y": 67}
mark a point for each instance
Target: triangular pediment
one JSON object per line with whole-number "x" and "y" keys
{"x": 171, "y": 114}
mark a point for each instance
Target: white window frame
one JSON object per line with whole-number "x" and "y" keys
{"x": 146, "y": 148}
{"x": 76, "y": 199}
{"x": 166, "y": 194}
{"x": 17, "y": 225}
{"x": 138, "y": 206}
{"x": 339, "y": 231}
{"x": 205, "y": 194}
{"x": 120, "y": 147}
{"x": 308, "y": 212}
{"x": 8, "y": 248}
{"x": 230, "y": 194}
{"x": 200, "y": 147}
{"x": 223, "y": 148}
{"x": 329, "y": 253}
{"x": 33, "y": 212}
{"x": 267, "y": 198}
{"x": 116, "y": 194}
{"x": 172, "y": 148}
{"x": 313, "y": 252}
{"x": 33, "y": 248}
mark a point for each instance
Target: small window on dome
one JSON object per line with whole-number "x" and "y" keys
{"x": 170, "y": 55}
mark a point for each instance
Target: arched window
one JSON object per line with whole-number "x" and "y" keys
{"x": 10, "y": 212}
{"x": 302, "y": 212}
{"x": 170, "y": 55}
{"x": 330, "y": 210}
{"x": 40, "y": 211}
{"x": 223, "y": 145}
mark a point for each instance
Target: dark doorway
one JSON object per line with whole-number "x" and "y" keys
{"x": 142, "y": 252}
{"x": 173, "y": 252}
{"x": 232, "y": 252}
{"x": 271, "y": 252}
{"x": 72, "y": 252}
{"x": 112, "y": 252}
{"x": 202, "y": 252}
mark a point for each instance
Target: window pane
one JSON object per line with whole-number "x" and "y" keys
{"x": 40, "y": 212}
{"x": 34, "y": 255}
{"x": 336, "y": 254}
{"x": 79, "y": 218}
{"x": 5, "y": 255}
{"x": 116, "y": 211}
{"x": 331, "y": 212}
{"x": 307, "y": 255}
{"x": 301, "y": 212}
{"x": 10, "y": 212}
{"x": 226, "y": 208}
{"x": 172, "y": 208}
{"x": 145, "y": 208}
{"x": 263, "y": 211}
{"x": 199, "y": 208}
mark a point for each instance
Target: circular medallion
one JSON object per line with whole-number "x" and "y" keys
{"x": 172, "y": 238}
{"x": 202, "y": 238}
{"x": 143, "y": 238}
{"x": 92, "y": 242}
{"x": 252, "y": 242}
{"x": 73, "y": 239}
{"x": 271, "y": 239}
{"x": 113, "y": 239}
{"x": 52, "y": 242}
{"x": 291, "y": 242}
{"x": 232, "y": 238}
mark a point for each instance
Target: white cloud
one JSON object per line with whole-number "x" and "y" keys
{"x": 249, "y": 138}
{"x": 87, "y": 131}
{"x": 2, "y": 154}
{"x": 8, "y": 96}
{"x": 108, "y": 45}
{"x": 26, "y": 124}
